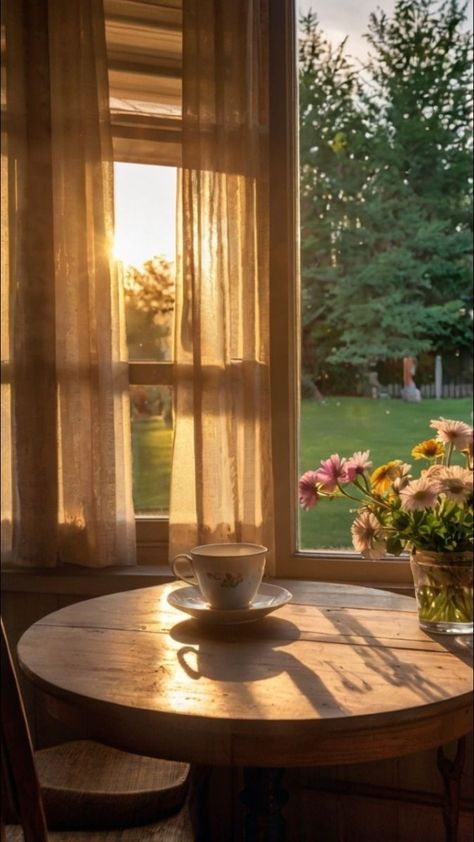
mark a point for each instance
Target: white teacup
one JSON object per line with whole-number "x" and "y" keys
{"x": 228, "y": 575}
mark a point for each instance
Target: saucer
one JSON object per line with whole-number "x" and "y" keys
{"x": 268, "y": 598}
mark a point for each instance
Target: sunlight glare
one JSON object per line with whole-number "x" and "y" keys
{"x": 145, "y": 212}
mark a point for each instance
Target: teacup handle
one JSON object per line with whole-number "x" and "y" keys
{"x": 183, "y": 558}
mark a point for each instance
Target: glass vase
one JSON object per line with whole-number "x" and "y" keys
{"x": 443, "y": 589}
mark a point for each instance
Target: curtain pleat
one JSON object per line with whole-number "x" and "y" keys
{"x": 221, "y": 478}
{"x": 65, "y": 404}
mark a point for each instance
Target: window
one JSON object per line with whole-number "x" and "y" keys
{"x": 145, "y": 212}
{"x": 285, "y": 309}
{"x": 145, "y": 62}
{"x": 144, "y": 56}
{"x": 146, "y": 119}
{"x": 330, "y": 419}
{"x": 378, "y": 157}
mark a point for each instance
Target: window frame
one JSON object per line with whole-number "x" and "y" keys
{"x": 133, "y": 33}
{"x": 152, "y": 530}
{"x": 285, "y": 328}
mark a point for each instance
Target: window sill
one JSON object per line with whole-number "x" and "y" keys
{"x": 347, "y": 568}
{"x": 90, "y": 582}
{"x": 84, "y": 581}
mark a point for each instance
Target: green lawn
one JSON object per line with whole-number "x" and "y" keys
{"x": 151, "y": 449}
{"x": 389, "y": 428}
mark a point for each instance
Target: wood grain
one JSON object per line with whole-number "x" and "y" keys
{"x": 341, "y": 674}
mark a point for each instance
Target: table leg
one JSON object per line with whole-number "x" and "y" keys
{"x": 264, "y": 796}
{"x": 451, "y": 771}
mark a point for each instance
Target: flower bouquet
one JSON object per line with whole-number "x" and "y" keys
{"x": 429, "y": 516}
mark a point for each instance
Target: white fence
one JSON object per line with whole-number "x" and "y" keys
{"x": 449, "y": 390}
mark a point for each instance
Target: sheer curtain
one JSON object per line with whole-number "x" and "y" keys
{"x": 66, "y": 471}
{"x": 221, "y": 485}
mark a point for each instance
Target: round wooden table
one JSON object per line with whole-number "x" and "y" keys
{"x": 341, "y": 674}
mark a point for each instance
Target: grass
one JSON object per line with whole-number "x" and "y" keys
{"x": 389, "y": 428}
{"x": 151, "y": 450}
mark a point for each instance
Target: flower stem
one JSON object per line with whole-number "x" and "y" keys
{"x": 370, "y": 495}
{"x": 449, "y": 453}
{"x": 350, "y": 496}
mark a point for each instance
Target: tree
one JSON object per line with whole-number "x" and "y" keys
{"x": 331, "y": 174}
{"x": 149, "y": 303}
{"x": 398, "y": 280}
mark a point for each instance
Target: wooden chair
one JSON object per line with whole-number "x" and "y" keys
{"x": 104, "y": 789}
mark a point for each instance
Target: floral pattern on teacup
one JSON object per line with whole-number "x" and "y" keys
{"x": 226, "y": 580}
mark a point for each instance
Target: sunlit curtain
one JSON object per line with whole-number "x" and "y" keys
{"x": 66, "y": 471}
{"x": 222, "y": 479}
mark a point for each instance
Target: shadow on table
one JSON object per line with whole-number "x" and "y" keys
{"x": 460, "y": 645}
{"x": 385, "y": 662}
{"x": 261, "y": 656}
{"x": 272, "y": 629}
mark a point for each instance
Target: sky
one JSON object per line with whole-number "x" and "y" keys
{"x": 145, "y": 196}
{"x": 145, "y": 212}
{"x": 340, "y": 17}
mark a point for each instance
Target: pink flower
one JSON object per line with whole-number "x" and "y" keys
{"x": 456, "y": 483}
{"x": 420, "y": 494}
{"x": 332, "y": 471}
{"x": 403, "y": 479}
{"x": 453, "y": 432}
{"x": 368, "y": 536}
{"x": 433, "y": 471}
{"x": 469, "y": 444}
{"x": 308, "y": 496}
{"x": 359, "y": 461}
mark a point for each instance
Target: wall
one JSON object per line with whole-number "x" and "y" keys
{"x": 391, "y": 801}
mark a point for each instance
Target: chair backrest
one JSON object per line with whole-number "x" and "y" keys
{"x": 18, "y": 766}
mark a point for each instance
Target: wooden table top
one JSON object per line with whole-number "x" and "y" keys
{"x": 341, "y": 674}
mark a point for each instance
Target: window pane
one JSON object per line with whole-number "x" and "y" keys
{"x": 386, "y": 241}
{"x": 145, "y": 234}
{"x": 149, "y": 306}
{"x": 152, "y": 431}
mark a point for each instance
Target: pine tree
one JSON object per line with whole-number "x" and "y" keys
{"x": 405, "y": 270}
{"x": 386, "y": 188}
{"x": 330, "y": 179}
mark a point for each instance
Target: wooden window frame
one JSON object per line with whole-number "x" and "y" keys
{"x": 144, "y": 59}
{"x": 152, "y": 530}
{"x": 285, "y": 329}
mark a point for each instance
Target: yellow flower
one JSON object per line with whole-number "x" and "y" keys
{"x": 429, "y": 449}
{"x": 383, "y": 477}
